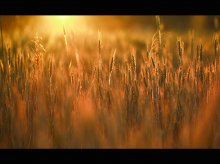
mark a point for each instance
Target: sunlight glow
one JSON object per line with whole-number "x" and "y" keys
{"x": 62, "y": 19}
{"x": 56, "y": 23}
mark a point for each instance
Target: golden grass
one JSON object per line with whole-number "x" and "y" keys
{"x": 91, "y": 93}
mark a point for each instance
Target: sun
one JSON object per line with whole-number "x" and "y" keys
{"x": 63, "y": 19}
{"x": 58, "y": 22}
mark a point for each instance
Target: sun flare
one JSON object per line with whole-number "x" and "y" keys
{"x": 56, "y": 23}
{"x": 62, "y": 19}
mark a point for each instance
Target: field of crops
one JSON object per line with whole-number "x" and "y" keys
{"x": 93, "y": 90}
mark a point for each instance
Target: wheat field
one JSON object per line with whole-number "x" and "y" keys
{"x": 99, "y": 90}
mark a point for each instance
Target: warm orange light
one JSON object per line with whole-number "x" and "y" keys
{"x": 61, "y": 20}
{"x": 55, "y": 24}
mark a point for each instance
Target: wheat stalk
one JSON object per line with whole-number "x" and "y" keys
{"x": 159, "y": 34}
{"x": 111, "y": 65}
